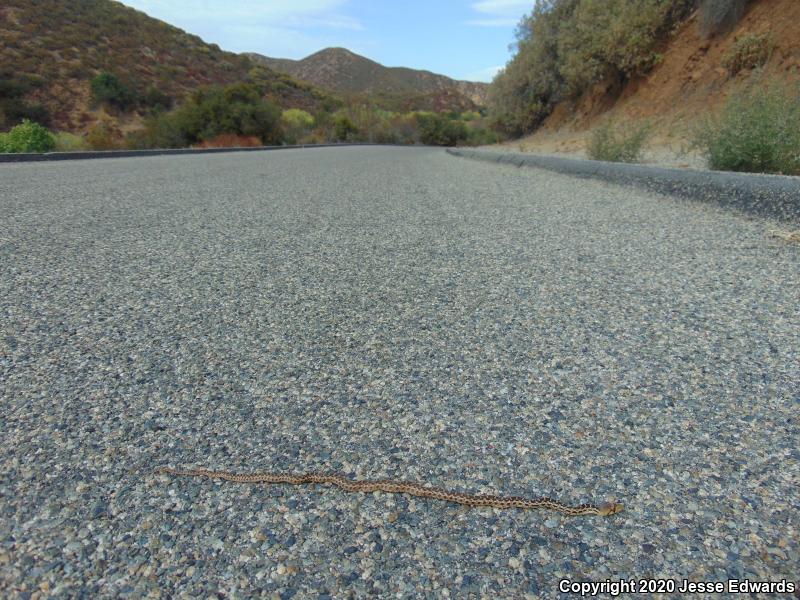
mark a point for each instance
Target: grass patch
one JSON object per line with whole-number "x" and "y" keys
{"x": 611, "y": 144}
{"x": 69, "y": 142}
{"x": 748, "y": 52}
{"x": 758, "y": 131}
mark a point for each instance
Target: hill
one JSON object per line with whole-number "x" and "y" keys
{"x": 347, "y": 73}
{"x": 691, "y": 79}
{"x": 51, "y": 49}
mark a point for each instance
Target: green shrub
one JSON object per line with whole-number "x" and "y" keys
{"x": 483, "y": 136}
{"x": 748, "y": 52}
{"x": 394, "y": 128}
{"x": 69, "y": 142}
{"x": 758, "y": 131}
{"x": 13, "y": 105}
{"x": 4, "y": 149}
{"x": 156, "y": 101}
{"x": 438, "y": 130}
{"x": 610, "y": 38}
{"x": 344, "y": 129}
{"x": 385, "y": 134}
{"x": 159, "y": 132}
{"x": 296, "y": 124}
{"x": 237, "y": 109}
{"x": 720, "y": 16}
{"x": 208, "y": 114}
{"x": 610, "y": 144}
{"x": 564, "y": 47}
{"x": 28, "y": 137}
{"x": 109, "y": 90}
{"x": 104, "y": 136}
{"x": 523, "y": 94}
{"x": 294, "y": 117}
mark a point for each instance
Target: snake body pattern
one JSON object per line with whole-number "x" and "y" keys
{"x": 402, "y": 487}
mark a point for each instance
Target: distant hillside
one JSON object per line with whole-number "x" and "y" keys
{"x": 345, "y": 72}
{"x": 53, "y": 48}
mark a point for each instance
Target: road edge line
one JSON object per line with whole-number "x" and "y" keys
{"x": 90, "y": 154}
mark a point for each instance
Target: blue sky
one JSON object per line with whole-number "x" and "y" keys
{"x": 466, "y": 39}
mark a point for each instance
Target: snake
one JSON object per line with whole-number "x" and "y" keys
{"x": 403, "y": 487}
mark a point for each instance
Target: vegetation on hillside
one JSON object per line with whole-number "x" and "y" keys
{"x": 613, "y": 144}
{"x": 93, "y": 69}
{"x": 757, "y": 131}
{"x": 565, "y": 47}
{"x": 70, "y": 142}
{"x": 14, "y": 105}
{"x": 63, "y": 60}
{"x": 64, "y": 45}
{"x": 237, "y": 109}
{"x": 748, "y": 52}
{"x": 296, "y": 125}
{"x": 241, "y": 115}
{"x": 283, "y": 90}
{"x": 27, "y": 137}
{"x": 441, "y": 101}
{"x": 111, "y": 92}
{"x": 398, "y": 89}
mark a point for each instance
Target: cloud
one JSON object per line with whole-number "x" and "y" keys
{"x": 218, "y": 10}
{"x": 494, "y": 7}
{"x": 327, "y": 22}
{"x": 291, "y": 29}
{"x": 500, "y": 13}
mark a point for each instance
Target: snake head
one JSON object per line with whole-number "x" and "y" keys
{"x": 609, "y": 508}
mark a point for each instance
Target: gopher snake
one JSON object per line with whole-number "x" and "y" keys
{"x": 402, "y": 487}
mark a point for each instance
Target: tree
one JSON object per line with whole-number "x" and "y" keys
{"x": 236, "y": 109}
{"x": 296, "y": 123}
{"x": 564, "y": 47}
{"x": 109, "y": 90}
{"x": 438, "y": 130}
{"x": 344, "y": 129}
{"x": 156, "y": 101}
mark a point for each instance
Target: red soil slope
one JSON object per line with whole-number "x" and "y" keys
{"x": 690, "y": 82}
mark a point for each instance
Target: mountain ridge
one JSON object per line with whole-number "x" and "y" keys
{"x": 52, "y": 49}
{"x": 344, "y": 71}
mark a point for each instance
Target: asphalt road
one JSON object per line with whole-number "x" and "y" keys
{"x": 386, "y": 312}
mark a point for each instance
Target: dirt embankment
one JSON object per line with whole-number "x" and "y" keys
{"x": 690, "y": 82}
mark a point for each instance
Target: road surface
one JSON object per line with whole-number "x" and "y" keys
{"x": 386, "y": 312}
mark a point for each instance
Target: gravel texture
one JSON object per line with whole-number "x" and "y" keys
{"x": 768, "y": 196}
{"x": 386, "y": 312}
{"x": 673, "y": 154}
